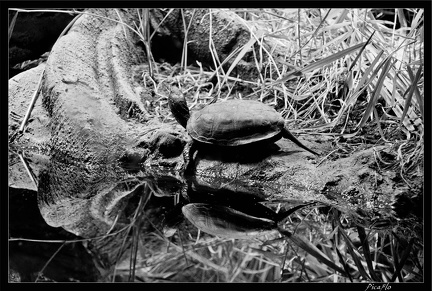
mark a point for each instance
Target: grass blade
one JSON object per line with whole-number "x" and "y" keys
{"x": 414, "y": 88}
{"x": 321, "y": 63}
{"x": 242, "y": 53}
{"x": 184, "y": 59}
{"x": 366, "y": 252}
{"x": 376, "y": 94}
{"x": 355, "y": 257}
{"x": 350, "y": 246}
{"x": 344, "y": 264}
{"x": 315, "y": 32}
{"x": 311, "y": 249}
{"x": 360, "y": 88}
{"x": 410, "y": 94}
{"x": 401, "y": 263}
{"x": 330, "y": 59}
{"x": 401, "y": 16}
{"x": 369, "y": 69}
{"x": 360, "y": 52}
{"x": 285, "y": 214}
{"x": 334, "y": 42}
{"x": 11, "y": 26}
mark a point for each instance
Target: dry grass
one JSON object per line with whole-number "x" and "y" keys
{"x": 329, "y": 84}
{"x": 343, "y": 73}
{"x": 295, "y": 254}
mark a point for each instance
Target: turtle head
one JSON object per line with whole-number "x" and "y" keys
{"x": 178, "y": 106}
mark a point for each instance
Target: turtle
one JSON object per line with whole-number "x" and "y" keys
{"x": 225, "y": 212}
{"x": 231, "y": 123}
{"x": 229, "y": 222}
{"x": 226, "y": 222}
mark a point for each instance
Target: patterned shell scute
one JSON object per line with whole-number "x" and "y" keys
{"x": 234, "y": 122}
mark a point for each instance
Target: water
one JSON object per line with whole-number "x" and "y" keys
{"x": 133, "y": 224}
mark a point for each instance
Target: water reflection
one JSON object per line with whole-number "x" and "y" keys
{"x": 227, "y": 222}
{"x": 116, "y": 212}
{"x": 43, "y": 248}
{"x": 132, "y": 222}
{"x": 229, "y": 209}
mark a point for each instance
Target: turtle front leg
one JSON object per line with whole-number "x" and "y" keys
{"x": 287, "y": 134}
{"x": 188, "y": 156}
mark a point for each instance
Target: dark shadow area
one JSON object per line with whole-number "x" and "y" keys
{"x": 71, "y": 263}
{"x": 33, "y": 35}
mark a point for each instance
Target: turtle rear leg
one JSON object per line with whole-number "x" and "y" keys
{"x": 287, "y": 134}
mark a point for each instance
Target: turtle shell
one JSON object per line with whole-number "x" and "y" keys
{"x": 226, "y": 222}
{"x": 234, "y": 122}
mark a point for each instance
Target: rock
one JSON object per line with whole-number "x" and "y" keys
{"x": 224, "y": 40}
{"x": 34, "y": 145}
{"x": 87, "y": 117}
{"x": 96, "y": 116}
